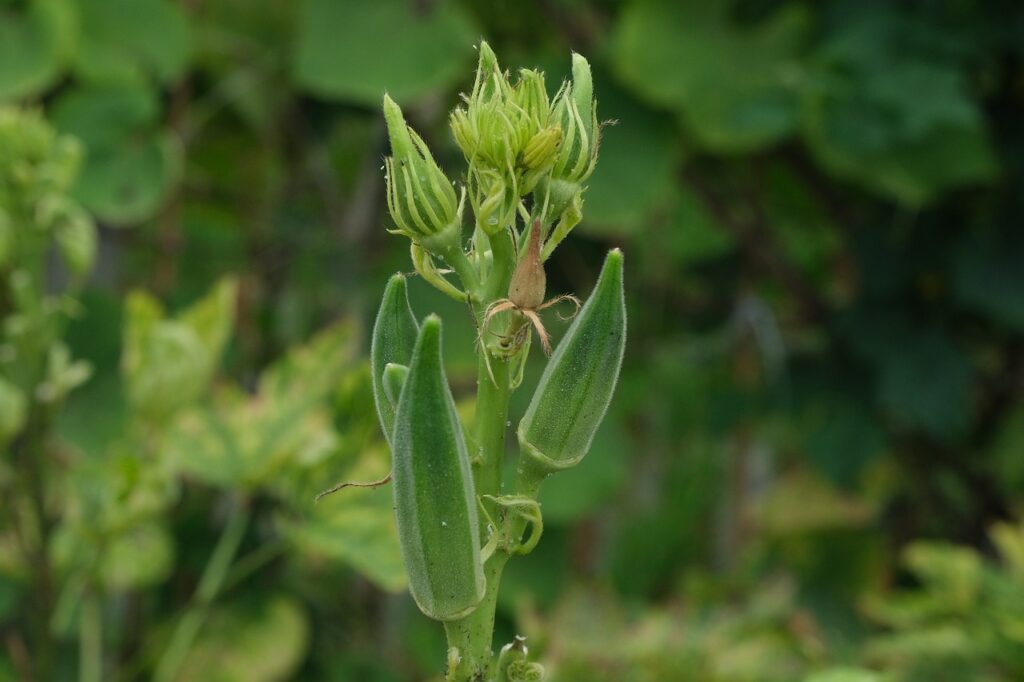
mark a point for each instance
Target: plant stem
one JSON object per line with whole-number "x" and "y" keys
{"x": 472, "y": 635}
{"x": 491, "y": 424}
{"x": 90, "y": 638}
{"x": 503, "y": 257}
{"x": 210, "y": 583}
{"x": 459, "y": 262}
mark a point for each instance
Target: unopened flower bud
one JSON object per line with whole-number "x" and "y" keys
{"x": 538, "y": 156}
{"x": 576, "y": 111}
{"x": 542, "y": 148}
{"x": 531, "y": 96}
{"x": 420, "y": 197}
{"x": 494, "y": 201}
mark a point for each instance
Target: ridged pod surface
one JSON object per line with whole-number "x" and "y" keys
{"x": 577, "y": 384}
{"x": 435, "y": 501}
{"x": 394, "y": 337}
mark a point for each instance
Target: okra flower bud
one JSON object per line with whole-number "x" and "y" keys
{"x": 483, "y": 129}
{"x": 577, "y": 384}
{"x": 421, "y": 199}
{"x": 435, "y": 500}
{"x": 576, "y": 112}
{"x": 530, "y": 96}
{"x": 394, "y": 337}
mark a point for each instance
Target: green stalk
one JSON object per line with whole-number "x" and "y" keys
{"x": 503, "y": 253}
{"x": 491, "y": 424}
{"x": 210, "y": 583}
{"x": 90, "y": 639}
{"x": 466, "y": 271}
{"x": 473, "y": 635}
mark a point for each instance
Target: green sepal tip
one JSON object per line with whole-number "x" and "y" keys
{"x": 393, "y": 340}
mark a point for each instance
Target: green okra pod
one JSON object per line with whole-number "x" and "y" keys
{"x": 577, "y": 384}
{"x": 435, "y": 501}
{"x": 394, "y": 336}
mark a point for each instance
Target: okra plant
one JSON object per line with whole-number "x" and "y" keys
{"x": 528, "y": 157}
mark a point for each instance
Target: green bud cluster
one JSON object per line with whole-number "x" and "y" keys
{"x": 526, "y": 152}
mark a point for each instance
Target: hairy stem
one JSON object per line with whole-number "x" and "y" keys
{"x": 503, "y": 252}
{"x": 473, "y": 634}
{"x": 458, "y": 261}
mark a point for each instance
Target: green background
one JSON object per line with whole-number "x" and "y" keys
{"x": 820, "y": 205}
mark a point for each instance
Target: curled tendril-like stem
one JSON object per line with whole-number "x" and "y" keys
{"x": 513, "y": 508}
{"x": 354, "y": 484}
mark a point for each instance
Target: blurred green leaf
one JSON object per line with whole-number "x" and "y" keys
{"x": 263, "y": 640}
{"x": 242, "y": 441}
{"x": 34, "y": 41}
{"x": 636, "y": 174}
{"x": 844, "y": 675}
{"x": 802, "y": 502}
{"x": 167, "y": 364}
{"x": 902, "y": 124}
{"x": 842, "y": 438}
{"x": 988, "y": 277}
{"x": 735, "y": 86}
{"x": 356, "y": 51}
{"x": 691, "y": 234}
{"x": 926, "y": 383}
{"x": 130, "y": 41}
{"x": 142, "y": 556}
{"x": 131, "y": 165}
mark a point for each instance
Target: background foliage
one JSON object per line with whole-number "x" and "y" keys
{"x": 816, "y": 456}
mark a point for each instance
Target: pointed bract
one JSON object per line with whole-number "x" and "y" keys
{"x": 393, "y": 340}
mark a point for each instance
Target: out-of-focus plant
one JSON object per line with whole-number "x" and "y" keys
{"x": 37, "y": 372}
{"x": 86, "y": 527}
{"x": 528, "y": 159}
{"x": 964, "y": 621}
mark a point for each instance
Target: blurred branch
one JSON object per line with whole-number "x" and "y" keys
{"x": 19, "y": 656}
{"x": 210, "y": 583}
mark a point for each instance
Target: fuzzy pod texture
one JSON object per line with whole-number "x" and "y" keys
{"x": 394, "y": 379}
{"x": 577, "y": 384}
{"x": 435, "y": 501}
{"x": 394, "y": 337}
